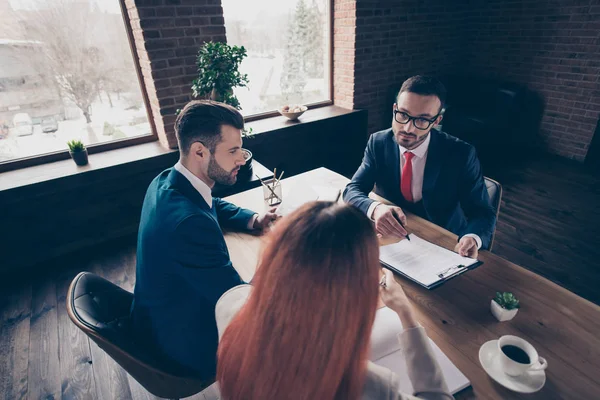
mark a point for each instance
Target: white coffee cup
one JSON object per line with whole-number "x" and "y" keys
{"x": 515, "y": 368}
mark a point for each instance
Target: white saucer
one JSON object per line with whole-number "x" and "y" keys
{"x": 529, "y": 382}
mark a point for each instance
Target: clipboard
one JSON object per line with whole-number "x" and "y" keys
{"x": 425, "y": 263}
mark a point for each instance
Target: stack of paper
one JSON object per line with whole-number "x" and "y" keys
{"x": 385, "y": 351}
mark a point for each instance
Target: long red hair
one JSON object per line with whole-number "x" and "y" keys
{"x": 304, "y": 332}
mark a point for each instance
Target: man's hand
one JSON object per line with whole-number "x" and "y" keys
{"x": 263, "y": 221}
{"x": 467, "y": 247}
{"x": 386, "y": 220}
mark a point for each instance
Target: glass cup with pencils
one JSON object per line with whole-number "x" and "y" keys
{"x": 272, "y": 190}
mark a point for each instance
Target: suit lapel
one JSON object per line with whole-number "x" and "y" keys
{"x": 394, "y": 156}
{"x": 433, "y": 164}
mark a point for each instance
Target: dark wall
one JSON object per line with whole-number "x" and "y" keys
{"x": 398, "y": 39}
{"x": 58, "y": 217}
{"x": 337, "y": 143}
{"x": 592, "y": 159}
{"x": 551, "y": 46}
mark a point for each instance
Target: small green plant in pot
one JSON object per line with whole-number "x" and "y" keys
{"x": 78, "y": 152}
{"x": 504, "y": 306}
{"x": 218, "y": 73}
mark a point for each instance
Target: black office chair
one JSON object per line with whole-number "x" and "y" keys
{"x": 494, "y": 190}
{"x": 101, "y": 310}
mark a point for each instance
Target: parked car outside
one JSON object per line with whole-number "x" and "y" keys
{"x": 3, "y": 130}
{"x": 49, "y": 124}
{"x": 23, "y": 124}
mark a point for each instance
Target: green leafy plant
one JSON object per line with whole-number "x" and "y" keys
{"x": 506, "y": 300}
{"x": 218, "y": 72}
{"x": 247, "y": 133}
{"x": 75, "y": 146}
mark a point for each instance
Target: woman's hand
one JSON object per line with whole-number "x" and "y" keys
{"x": 394, "y": 297}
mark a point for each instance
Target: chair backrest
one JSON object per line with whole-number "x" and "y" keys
{"x": 494, "y": 190}
{"x": 101, "y": 310}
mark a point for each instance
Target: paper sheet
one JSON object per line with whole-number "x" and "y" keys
{"x": 385, "y": 351}
{"x": 301, "y": 194}
{"x": 423, "y": 261}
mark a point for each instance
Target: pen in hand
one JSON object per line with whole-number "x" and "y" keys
{"x": 401, "y": 224}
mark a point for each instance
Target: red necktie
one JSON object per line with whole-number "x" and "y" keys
{"x": 406, "y": 180}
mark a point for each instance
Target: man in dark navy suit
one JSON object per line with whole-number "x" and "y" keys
{"x": 424, "y": 171}
{"x": 183, "y": 264}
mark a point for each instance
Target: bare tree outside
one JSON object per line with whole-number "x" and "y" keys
{"x": 69, "y": 55}
{"x": 66, "y": 66}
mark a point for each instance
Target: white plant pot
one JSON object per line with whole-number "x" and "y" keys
{"x": 502, "y": 314}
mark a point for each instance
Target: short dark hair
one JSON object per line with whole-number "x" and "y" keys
{"x": 201, "y": 121}
{"x": 425, "y": 86}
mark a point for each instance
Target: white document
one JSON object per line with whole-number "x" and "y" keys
{"x": 385, "y": 351}
{"x": 302, "y": 194}
{"x": 422, "y": 261}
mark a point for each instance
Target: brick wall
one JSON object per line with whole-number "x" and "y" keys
{"x": 550, "y": 46}
{"x": 344, "y": 37}
{"x": 554, "y": 48}
{"x": 398, "y": 39}
{"x": 167, "y": 36}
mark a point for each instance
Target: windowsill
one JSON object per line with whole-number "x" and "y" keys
{"x": 66, "y": 168}
{"x": 39, "y": 174}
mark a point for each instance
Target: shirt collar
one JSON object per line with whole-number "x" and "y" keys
{"x": 420, "y": 150}
{"x": 202, "y": 188}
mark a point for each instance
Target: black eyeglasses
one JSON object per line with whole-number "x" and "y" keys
{"x": 419, "y": 122}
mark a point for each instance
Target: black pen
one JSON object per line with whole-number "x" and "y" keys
{"x": 401, "y": 224}
{"x": 337, "y": 199}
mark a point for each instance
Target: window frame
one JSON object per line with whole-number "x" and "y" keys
{"x": 24, "y": 162}
{"x": 323, "y": 103}
{"x": 45, "y": 158}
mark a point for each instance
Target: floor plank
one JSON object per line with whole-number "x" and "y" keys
{"x": 137, "y": 390}
{"x": 111, "y": 380}
{"x": 15, "y": 313}
{"x": 44, "y": 367}
{"x": 75, "y": 358}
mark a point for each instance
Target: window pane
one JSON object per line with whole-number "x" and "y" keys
{"x": 288, "y": 44}
{"x": 66, "y": 72}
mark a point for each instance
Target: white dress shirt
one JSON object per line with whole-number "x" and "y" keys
{"x": 202, "y": 188}
{"x": 418, "y": 173}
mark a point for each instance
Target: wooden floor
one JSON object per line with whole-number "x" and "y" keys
{"x": 43, "y": 355}
{"x": 549, "y": 223}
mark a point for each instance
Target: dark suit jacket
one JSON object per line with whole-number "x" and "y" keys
{"x": 454, "y": 193}
{"x": 183, "y": 267}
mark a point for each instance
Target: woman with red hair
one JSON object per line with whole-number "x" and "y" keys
{"x": 302, "y": 329}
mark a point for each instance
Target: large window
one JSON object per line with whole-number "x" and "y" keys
{"x": 66, "y": 72}
{"x": 288, "y": 44}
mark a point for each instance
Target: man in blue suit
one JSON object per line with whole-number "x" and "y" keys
{"x": 425, "y": 171}
{"x": 183, "y": 264}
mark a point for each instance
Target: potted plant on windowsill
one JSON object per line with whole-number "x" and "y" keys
{"x": 78, "y": 152}
{"x": 504, "y": 306}
{"x": 218, "y": 73}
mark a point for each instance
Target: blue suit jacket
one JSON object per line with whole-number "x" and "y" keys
{"x": 183, "y": 267}
{"x": 454, "y": 193}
